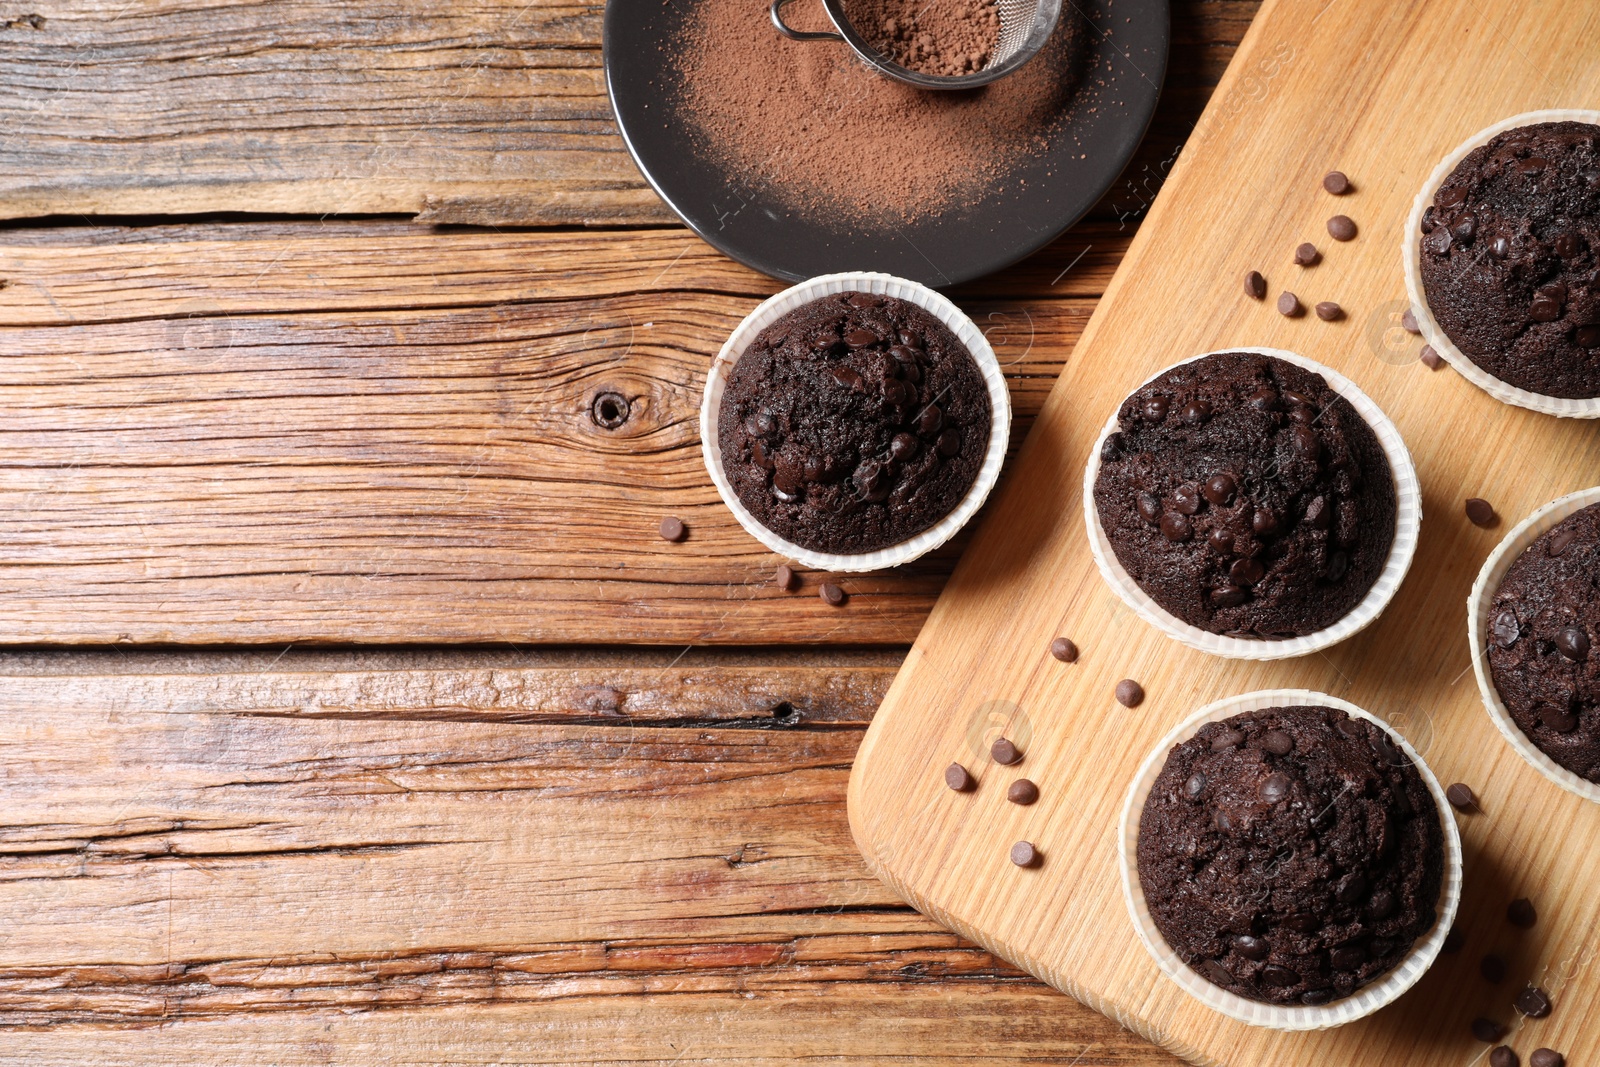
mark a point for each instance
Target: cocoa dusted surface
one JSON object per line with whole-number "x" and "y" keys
{"x": 1246, "y": 497}
{"x": 854, "y": 423}
{"x": 1511, "y": 258}
{"x": 1543, "y": 622}
{"x": 1291, "y": 855}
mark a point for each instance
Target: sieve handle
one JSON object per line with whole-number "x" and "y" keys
{"x": 798, "y": 35}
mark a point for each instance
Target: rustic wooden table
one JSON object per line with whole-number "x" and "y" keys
{"x": 354, "y": 713}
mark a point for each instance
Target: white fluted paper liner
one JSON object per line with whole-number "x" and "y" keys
{"x": 1408, "y": 522}
{"x": 1479, "y": 603}
{"x": 1411, "y": 257}
{"x": 940, "y": 307}
{"x": 1364, "y": 1001}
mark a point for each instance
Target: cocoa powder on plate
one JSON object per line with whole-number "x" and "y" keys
{"x": 805, "y": 126}
{"x": 947, "y": 38}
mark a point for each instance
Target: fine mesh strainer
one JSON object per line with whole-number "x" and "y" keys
{"x": 1025, "y": 25}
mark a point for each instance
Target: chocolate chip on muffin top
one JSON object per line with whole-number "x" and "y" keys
{"x": 1291, "y": 855}
{"x": 1510, "y": 258}
{"x": 1246, "y": 497}
{"x": 853, "y": 423}
{"x": 1543, "y": 623}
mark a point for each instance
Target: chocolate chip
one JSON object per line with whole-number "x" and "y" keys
{"x": 949, "y": 443}
{"x": 1265, "y": 399}
{"x": 1022, "y": 791}
{"x": 1452, "y": 197}
{"x": 1493, "y": 969}
{"x": 1534, "y": 1002}
{"x": 1251, "y": 948}
{"x": 1219, "y": 488}
{"x": 1544, "y": 308}
{"x": 1276, "y": 975}
{"x": 1437, "y": 242}
{"x": 1502, "y": 1056}
{"x": 1464, "y": 228}
{"x": 1255, "y": 286}
{"x": 846, "y": 376}
{"x": 1479, "y": 511}
{"x": 1154, "y": 409}
{"x": 1505, "y": 629}
{"x": 1227, "y": 739}
{"x": 1568, "y": 245}
{"x": 1347, "y": 957}
{"x": 1560, "y": 540}
{"x": 1305, "y": 442}
{"x": 1341, "y": 228}
{"x": 957, "y": 778}
{"x": 1277, "y": 742}
{"x": 1176, "y": 527}
{"x": 1318, "y": 513}
{"x": 1228, "y": 596}
{"x": 1274, "y": 788}
{"x": 1149, "y": 508}
{"x": 1521, "y": 913}
{"x": 930, "y": 418}
{"x": 1264, "y": 521}
{"x": 1382, "y": 904}
{"x": 831, "y": 593}
{"x": 1560, "y": 720}
{"x": 1186, "y": 499}
{"x": 1195, "y": 786}
{"x": 1461, "y": 797}
{"x": 1328, "y": 311}
{"x": 1546, "y": 1057}
{"x": 1113, "y": 447}
{"x": 1573, "y": 643}
{"x": 1064, "y": 650}
{"x": 1500, "y": 246}
{"x": 1408, "y": 322}
{"x": 1023, "y": 854}
{"x": 1289, "y": 304}
{"x": 1336, "y": 183}
{"x": 1316, "y": 997}
{"x": 1303, "y": 922}
{"x": 1351, "y": 888}
{"x": 784, "y": 577}
{"x": 1130, "y": 694}
{"x": 1307, "y": 255}
{"x": 1487, "y": 1029}
{"x": 1354, "y": 729}
{"x": 673, "y": 529}
{"x": 1587, "y": 336}
{"x": 1195, "y": 412}
{"x": 1430, "y": 359}
{"x": 1218, "y": 974}
{"x": 1246, "y": 571}
{"x": 860, "y": 338}
{"x": 1004, "y": 752}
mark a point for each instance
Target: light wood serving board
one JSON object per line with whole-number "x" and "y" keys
{"x": 1380, "y": 91}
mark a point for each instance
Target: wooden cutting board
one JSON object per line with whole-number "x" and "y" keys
{"x": 1380, "y": 91}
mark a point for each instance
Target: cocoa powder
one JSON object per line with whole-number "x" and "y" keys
{"x": 806, "y": 126}
{"x": 940, "y": 37}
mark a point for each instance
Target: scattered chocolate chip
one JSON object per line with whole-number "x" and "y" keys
{"x": 1461, "y": 797}
{"x": 1560, "y": 720}
{"x": 1382, "y": 904}
{"x": 1336, "y": 183}
{"x": 1408, "y": 322}
{"x": 784, "y": 577}
{"x": 1454, "y": 941}
{"x": 1573, "y": 643}
{"x": 1430, "y": 359}
{"x": 1505, "y": 628}
{"x": 673, "y": 529}
{"x": 1307, "y": 255}
{"x": 1351, "y": 888}
{"x": 1023, "y": 854}
{"x": 1487, "y": 1029}
{"x": 1225, "y": 740}
{"x": 1502, "y": 1056}
{"x": 1534, "y": 1002}
{"x": 1246, "y": 571}
{"x": 1130, "y": 694}
{"x": 1342, "y": 228}
{"x": 957, "y": 778}
{"x": 1255, "y": 286}
{"x": 1217, "y": 973}
{"x": 1347, "y": 957}
{"x": 1521, "y": 913}
{"x": 1219, "y": 489}
{"x": 1022, "y": 791}
{"x": 1315, "y": 997}
{"x": 1155, "y": 409}
{"x": 1251, "y": 948}
{"x": 1546, "y": 1057}
{"x": 1328, "y": 311}
{"x": 1274, "y": 974}
{"x": 1274, "y": 788}
{"x": 1277, "y": 742}
{"x": 1176, "y": 527}
{"x": 832, "y": 594}
{"x": 1004, "y": 752}
{"x": 1064, "y": 650}
{"x": 1289, "y": 305}
{"x": 1560, "y": 540}
{"x": 1493, "y": 969}
{"x": 1195, "y": 786}
{"x": 1186, "y": 499}
{"x": 1228, "y": 596}
{"x": 1480, "y": 512}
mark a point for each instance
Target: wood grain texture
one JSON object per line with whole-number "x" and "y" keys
{"x": 485, "y": 113}
{"x": 1432, "y": 74}
{"x": 381, "y": 433}
{"x": 231, "y": 860}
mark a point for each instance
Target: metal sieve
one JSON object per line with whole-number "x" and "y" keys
{"x": 1025, "y": 25}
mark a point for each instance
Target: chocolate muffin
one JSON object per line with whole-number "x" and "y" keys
{"x": 1543, "y": 623}
{"x": 853, "y": 423}
{"x": 1509, "y": 258}
{"x": 1291, "y": 855}
{"x": 1246, "y": 497}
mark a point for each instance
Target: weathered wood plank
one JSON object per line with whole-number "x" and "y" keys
{"x": 217, "y": 441}
{"x": 197, "y": 870}
{"x": 490, "y": 112}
